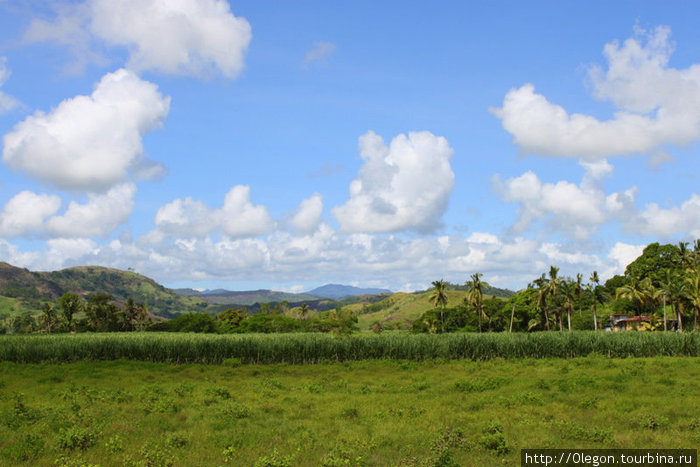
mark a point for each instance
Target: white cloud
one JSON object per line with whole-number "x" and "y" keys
{"x": 26, "y": 212}
{"x": 102, "y": 214}
{"x": 69, "y": 30}
{"x": 183, "y": 37}
{"x": 326, "y": 255}
{"x": 62, "y": 250}
{"x": 557, "y": 255}
{"x": 683, "y": 220}
{"x": 188, "y": 37}
{"x": 621, "y": 255}
{"x": 577, "y": 210}
{"x": 7, "y": 102}
{"x": 185, "y": 218}
{"x": 88, "y": 142}
{"x": 308, "y": 216}
{"x": 320, "y": 51}
{"x": 404, "y": 186}
{"x": 238, "y": 217}
{"x": 657, "y": 105}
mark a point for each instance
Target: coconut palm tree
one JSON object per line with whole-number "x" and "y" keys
{"x": 48, "y": 317}
{"x": 578, "y": 290}
{"x": 678, "y": 296}
{"x": 439, "y": 298}
{"x": 597, "y": 297}
{"x": 693, "y": 295}
{"x": 542, "y": 291}
{"x": 304, "y": 311}
{"x": 568, "y": 291}
{"x": 475, "y": 294}
{"x": 553, "y": 287}
{"x": 635, "y": 291}
{"x": 666, "y": 292}
{"x": 71, "y": 304}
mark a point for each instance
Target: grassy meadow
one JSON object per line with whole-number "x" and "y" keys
{"x": 372, "y": 412}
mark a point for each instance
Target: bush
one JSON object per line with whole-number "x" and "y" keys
{"x": 193, "y": 322}
{"x": 76, "y": 437}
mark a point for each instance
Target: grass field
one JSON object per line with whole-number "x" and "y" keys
{"x": 373, "y": 412}
{"x": 405, "y": 308}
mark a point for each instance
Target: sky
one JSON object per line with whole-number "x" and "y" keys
{"x": 285, "y": 145}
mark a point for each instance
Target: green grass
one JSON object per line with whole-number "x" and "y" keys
{"x": 317, "y": 347}
{"x": 373, "y": 412}
{"x": 406, "y": 308}
{"x": 10, "y": 306}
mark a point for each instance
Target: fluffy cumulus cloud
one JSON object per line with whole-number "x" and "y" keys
{"x": 666, "y": 223}
{"x": 185, "y": 218}
{"x": 7, "y": 102}
{"x": 26, "y": 212}
{"x": 308, "y": 216}
{"x": 620, "y": 255}
{"x": 185, "y": 37}
{"x": 238, "y": 217}
{"x": 657, "y": 105}
{"x": 575, "y": 209}
{"x": 403, "y": 186}
{"x": 88, "y": 142}
{"x": 100, "y": 216}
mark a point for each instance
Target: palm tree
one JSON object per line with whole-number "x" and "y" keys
{"x": 439, "y": 298}
{"x": 693, "y": 294}
{"x": 475, "y": 295}
{"x": 131, "y": 312}
{"x": 71, "y": 304}
{"x": 141, "y": 315}
{"x": 596, "y": 295}
{"x": 48, "y": 317}
{"x": 666, "y": 292}
{"x": 678, "y": 296}
{"x": 304, "y": 311}
{"x": 553, "y": 287}
{"x": 568, "y": 290}
{"x": 695, "y": 256}
{"x": 578, "y": 289}
{"x": 635, "y": 291}
{"x": 542, "y": 291}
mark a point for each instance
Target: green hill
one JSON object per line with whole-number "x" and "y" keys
{"x": 24, "y": 290}
{"x": 401, "y": 309}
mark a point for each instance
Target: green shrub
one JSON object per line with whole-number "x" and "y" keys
{"x": 76, "y": 437}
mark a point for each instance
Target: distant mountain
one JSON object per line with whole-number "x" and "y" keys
{"x": 247, "y": 297}
{"x": 337, "y": 291}
{"x": 21, "y": 289}
{"x": 251, "y": 297}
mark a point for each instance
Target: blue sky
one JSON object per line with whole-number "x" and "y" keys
{"x": 265, "y": 145}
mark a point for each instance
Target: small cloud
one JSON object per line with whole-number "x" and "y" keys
{"x": 319, "y": 52}
{"x": 659, "y": 158}
{"x": 326, "y": 170}
{"x": 7, "y": 102}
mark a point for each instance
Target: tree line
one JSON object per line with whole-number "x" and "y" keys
{"x": 662, "y": 283}
{"x": 72, "y": 313}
